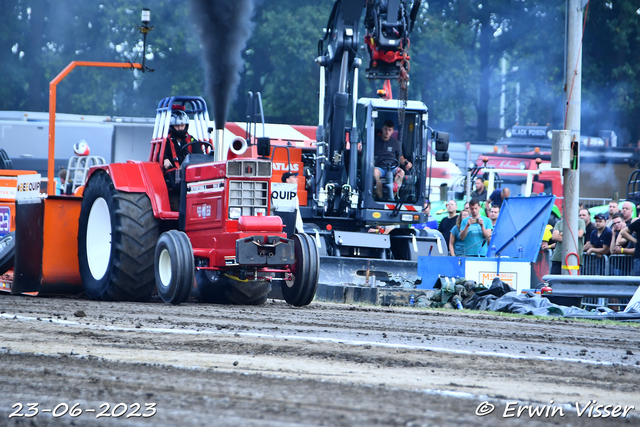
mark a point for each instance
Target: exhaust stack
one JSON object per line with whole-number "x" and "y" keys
{"x": 220, "y": 152}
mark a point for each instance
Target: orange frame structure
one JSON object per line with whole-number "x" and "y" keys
{"x": 52, "y": 108}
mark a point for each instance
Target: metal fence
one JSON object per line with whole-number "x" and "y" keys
{"x": 592, "y": 202}
{"x": 606, "y": 265}
{"x": 620, "y": 265}
{"x": 593, "y": 265}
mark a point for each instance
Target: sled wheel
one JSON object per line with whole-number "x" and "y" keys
{"x": 117, "y": 235}
{"x": 243, "y": 292}
{"x": 301, "y": 289}
{"x": 7, "y": 251}
{"x": 174, "y": 267}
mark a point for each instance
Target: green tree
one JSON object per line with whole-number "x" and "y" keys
{"x": 611, "y": 69}
{"x": 280, "y": 60}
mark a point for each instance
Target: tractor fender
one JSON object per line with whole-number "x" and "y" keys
{"x": 140, "y": 177}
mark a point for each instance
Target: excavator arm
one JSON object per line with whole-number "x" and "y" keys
{"x": 388, "y": 24}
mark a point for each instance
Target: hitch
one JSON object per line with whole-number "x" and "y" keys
{"x": 269, "y": 250}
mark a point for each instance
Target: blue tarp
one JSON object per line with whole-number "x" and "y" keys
{"x": 520, "y": 226}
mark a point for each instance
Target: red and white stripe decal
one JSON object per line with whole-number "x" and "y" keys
{"x": 276, "y": 131}
{"x": 409, "y": 208}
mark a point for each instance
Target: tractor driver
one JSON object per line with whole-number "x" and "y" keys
{"x": 178, "y": 138}
{"x": 387, "y": 152}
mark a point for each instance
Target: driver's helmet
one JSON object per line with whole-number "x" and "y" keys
{"x": 81, "y": 148}
{"x": 178, "y": 117}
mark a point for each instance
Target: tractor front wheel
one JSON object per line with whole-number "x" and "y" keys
{"x": 117, "y": 235}
{"x": 301, "y": 289}
{"x": 174, "y": 267}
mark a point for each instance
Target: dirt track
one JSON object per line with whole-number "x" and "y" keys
{"x": 325, "y": 364}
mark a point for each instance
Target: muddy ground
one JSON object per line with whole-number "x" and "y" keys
{"x": 325, "y": 364}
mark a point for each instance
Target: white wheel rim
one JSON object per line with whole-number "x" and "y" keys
{"x": 99, "y": 238}
{"x": 164, "y": 268}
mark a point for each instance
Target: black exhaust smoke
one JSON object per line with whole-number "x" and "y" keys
{"x": 224, "y": 27}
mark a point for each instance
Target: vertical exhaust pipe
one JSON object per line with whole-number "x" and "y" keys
{"x": 220, "y": 153}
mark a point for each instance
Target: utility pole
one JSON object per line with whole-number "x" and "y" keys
{"x": 503, "y": 90}
{"x": 572, "y": 99}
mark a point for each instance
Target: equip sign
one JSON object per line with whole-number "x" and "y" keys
{"x": 283, "y": 196}
{"x": 28, "y": 187}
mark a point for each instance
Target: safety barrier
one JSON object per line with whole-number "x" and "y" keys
{"x": 620, "y": 265}
{"x": 606, "y": 265}
{"x": 617, "y": 304}
{"x": 614, "y": 265}
{"x": 593, "y": 265}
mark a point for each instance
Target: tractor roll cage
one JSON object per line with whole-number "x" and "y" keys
{"x": 192, "y": 105}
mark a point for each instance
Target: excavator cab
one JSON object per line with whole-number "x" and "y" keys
{"x": 412, "y": 133}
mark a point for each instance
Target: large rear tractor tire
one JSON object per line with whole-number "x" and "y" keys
{"x": 243, "y": 292}
{"x": 117, "y": 236}
{"x": 174, "y": 267}
{"x": 301, "y": 289}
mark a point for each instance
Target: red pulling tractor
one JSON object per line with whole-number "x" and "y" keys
{"x": 221, "y": 240}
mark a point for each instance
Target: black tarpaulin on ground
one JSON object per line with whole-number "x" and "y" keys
{"x": 501, "y": 297}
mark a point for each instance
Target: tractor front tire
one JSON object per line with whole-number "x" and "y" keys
{"x": 301, "y": 289}
{"x": 174, "y": 267}
{"x": 117, "y": 236}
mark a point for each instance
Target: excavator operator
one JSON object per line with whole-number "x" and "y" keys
{"x": 389, "y": 159}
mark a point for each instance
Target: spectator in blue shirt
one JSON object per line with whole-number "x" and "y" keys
{"x": 475, "y": 231}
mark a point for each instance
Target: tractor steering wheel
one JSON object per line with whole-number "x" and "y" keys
{"x": 389, "y": 164}
{"x": 184, "y": 147}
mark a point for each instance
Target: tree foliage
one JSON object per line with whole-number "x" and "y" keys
{"x": 456, "y": 50}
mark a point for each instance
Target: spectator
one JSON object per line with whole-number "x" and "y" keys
{"x": 456, "y": 245}
{"x": 475, "y": 231}
{"x": 634, "y": 227}
{"x": 466, "y": 206}
{"x": 292, "y": 178}
{"x": 498, "y": 195}
{"x": 600, "y": 239}
{"x": 480, "y": 192}
{"x": 627, "y": 212}
{"x": 613, "y": 208}
{"x": 493, "y": 215}
{"x": 620, "y": 246}
{"x": 61, "y": 183}
{"x": 547, "y": 240}
{"x": 556, "y": 258}
{"x": 430, "y": 222}
{"x": 446, "y": 224}
{"x": 585, "y": 215}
